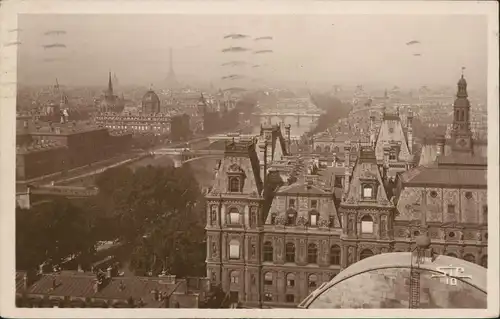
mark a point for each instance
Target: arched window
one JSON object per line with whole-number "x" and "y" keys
{"x": 365, "y": 253}
{"x": 313, "y": 218}
{"x": 318, "y": 149}
{"x": 290, "y": 280}
{"x": 268, "y": 278}
{"x": 312, "y": 281}
{"x": 290, "y": 252}
{"x": 470, "y": 258}
{"x": 234, "y": 184}
{"x": 268, "y": 251}
{"x": 235, "y": 275}
{"x": 367, "y": 225}
{"x": 312, "y": 254}
{"x": 291, "y": 217}
{"x": 451, "y": 255}
{"x": 234, "y": 249}
{"x": 327, "y": 149}
{"x": 336, "y": 149}
{"x": 484, "y": 261}
{"x": 335, "y": 255}
{"x": 253, "y": 217}
{"x": 234, "y": 216}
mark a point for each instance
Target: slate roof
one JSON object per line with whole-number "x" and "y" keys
{"x": 302, "y": 188}
{"x": 433, "y": 175}
{"x": 366, "y": 168}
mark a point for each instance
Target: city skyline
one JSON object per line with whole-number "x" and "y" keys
{"x": 307, "y": 49}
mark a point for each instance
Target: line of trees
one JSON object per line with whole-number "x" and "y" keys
{"x": 334, "y": 108}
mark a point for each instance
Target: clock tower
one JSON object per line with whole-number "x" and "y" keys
{"x": 461, "y": 134}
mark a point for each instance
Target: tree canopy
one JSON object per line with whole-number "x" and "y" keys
{"x": 51, "y": 232}
{"x": 334, "y": 108}
{"x": 158, "y": 210}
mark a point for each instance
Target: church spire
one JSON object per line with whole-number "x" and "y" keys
{"x": 461, "y": 133}
{"x": 462, "y": 86}
{"x": 110, "y": 85}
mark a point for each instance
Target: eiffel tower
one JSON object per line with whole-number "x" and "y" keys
{"x": 171, "y": 78}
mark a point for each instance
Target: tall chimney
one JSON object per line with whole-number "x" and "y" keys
{"x": 109, "y": 272}
{"x": 347, "y": 174}
{"x": 265, "y": 162}
{"x": 372, "y": 129}
{"x": 410, "y": 131}
{"x": 289, "y": 142}
{"x": 440, "y": 146}
{"x": 387, "y": 150}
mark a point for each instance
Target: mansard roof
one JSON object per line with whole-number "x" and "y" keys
{"x": 366, "y": 169}
{"x": 447, "y": 177}
{"x": 303, "y": 188}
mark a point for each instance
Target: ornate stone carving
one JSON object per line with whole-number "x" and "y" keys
{"x": 325, "y": 249}
{"x": 279, "y": 248}
{"x": 214, "y": 249}
{"x": 301, "y": 221}
{"x": 280, "y": 220}
{"x": 302, "y": 245}
{"x": 479, "y": 236}
{"x": 350, "y": 226}
{"x": 350, "y": 255}
{"x": 324, "y": 222}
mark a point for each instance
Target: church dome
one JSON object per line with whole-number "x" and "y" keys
{"x": 150, "y": 97}
{"x": 150, "y": 102}
{"x": 382, "y": 281}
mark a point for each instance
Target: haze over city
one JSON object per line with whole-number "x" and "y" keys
{"x": 312, "y": 49}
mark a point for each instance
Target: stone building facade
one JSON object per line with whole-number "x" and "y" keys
{"x": 452, "y": 192}
{"x": 234, "y": 224}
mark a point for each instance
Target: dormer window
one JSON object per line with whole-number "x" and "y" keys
{"x": 392, "y": 155}
{"x": 291, "y": 217}
{"x": 234, "y": 184}
{"x": 314, "y": 204}
{"x": 368, "y": 191}
{"x": 313, "y": 218}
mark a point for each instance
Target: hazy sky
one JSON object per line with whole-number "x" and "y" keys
{"x": 357, "y": 49}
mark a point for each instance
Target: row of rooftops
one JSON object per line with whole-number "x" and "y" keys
{"x": 151, "y": 292}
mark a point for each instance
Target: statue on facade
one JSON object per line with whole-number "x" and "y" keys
{"x": 301, "y": 221}
{"x": 350, "y": 256}
{"x": 280, "y": 220}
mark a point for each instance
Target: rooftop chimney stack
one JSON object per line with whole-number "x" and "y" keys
{"x": 347, "y": 174}
{"x": 410, "y": 131}
{"x": 387, "y": 150}
{"x": 289, "y": 142}
{"x": 109, "y": 272}
{"x": 372, "y": 129}
{"x": 440, "y": 146}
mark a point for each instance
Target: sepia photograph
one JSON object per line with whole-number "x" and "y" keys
{"x": 207, "y": 156}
